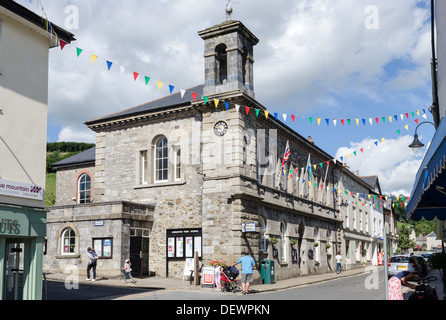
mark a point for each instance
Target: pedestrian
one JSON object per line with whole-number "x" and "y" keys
{"x": 398, "y": 280}
{"x": 217, "y": 275}
{"x": 128, "y": 271}
{"x": 92, "y": 262}
{"x": 338, "y": 262}
{"x": 247, "y": 264}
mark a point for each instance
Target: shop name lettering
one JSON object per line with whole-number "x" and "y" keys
{"x": 9, "y": 226}
{"x": 248, "y": 309}
{"x": 33, "y": 189}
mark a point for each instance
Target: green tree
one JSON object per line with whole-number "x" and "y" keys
{"x": 404, "y": 241}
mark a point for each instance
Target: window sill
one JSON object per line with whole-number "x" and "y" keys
{"x": 68, "y": 256}
{"x": 160, "y": 184}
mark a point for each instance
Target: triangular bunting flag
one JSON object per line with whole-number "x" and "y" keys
{"x": 160, "y": 84}
{"x": 194, "y": 96}
{"x": 135, "y": 75}
{"x": 93, "y": 58}
{"x": 78, "y": 51}
{"x": 109, "y": 64}
{"x": 62, "y": 44}
{"x": 237, "y": 107}
{"x": 216, "y": 101}
{"x": 205, "y": 99}
{"x": 266, "y": 114}
{"x": 147, "y": 79}
{"x": 227, "y": 105}
{"x": 293, "y": 117}
{"x": 182, "y": 92}
{"x": 247, "y": 110}
{"x": 171, "y": 87}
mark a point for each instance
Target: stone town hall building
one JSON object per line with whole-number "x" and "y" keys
{"x": 177, "y": 175}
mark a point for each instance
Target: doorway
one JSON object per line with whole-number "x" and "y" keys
{"x": 14, "y": 267}
{"x": 139, "y": 251}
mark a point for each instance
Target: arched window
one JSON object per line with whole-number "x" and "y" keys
{"x": 68, "y": 241}
{"x": 161, "y": 160}
{"x": 221, "y": 63}
{"x": 84, "y": 188}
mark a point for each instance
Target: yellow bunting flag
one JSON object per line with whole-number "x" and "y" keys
{"x": 93, "y": 58}
{"x": 216, "y": 101}
{"x": 160, "y": 84}
{"x": 266, "y": 114}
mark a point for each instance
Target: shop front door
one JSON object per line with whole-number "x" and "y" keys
{"x": 14, "y": 271}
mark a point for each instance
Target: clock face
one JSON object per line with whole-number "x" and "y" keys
{"x": 220, "y": 128}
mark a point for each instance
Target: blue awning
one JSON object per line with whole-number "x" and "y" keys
{"x": 428, "y": 198}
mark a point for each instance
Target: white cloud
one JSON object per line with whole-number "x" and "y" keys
{"x": 392, "y": 160}
{"x": 69, "y": 134}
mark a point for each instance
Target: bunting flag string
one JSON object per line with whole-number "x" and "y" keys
{"x": 258, "y": 112}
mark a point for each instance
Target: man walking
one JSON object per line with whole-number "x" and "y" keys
{"x": 247, "y": 264}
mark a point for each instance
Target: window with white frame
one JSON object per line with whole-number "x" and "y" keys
{"x": 144, "y": 167}
{"x": 84, "y": 189}
{"x": 68, "y": 241}
{"x": 161, "y": 160}
{"x": 177, "y": 164}
{"x": 283, "y": 242}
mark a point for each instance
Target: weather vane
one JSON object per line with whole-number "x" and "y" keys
{"x": 228, "y": 10}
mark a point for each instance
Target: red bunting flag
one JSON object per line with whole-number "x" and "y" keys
{"x": 194, "y": 96}
{"x": 247, "y": 110}
{"x": 293, "y": 117}
{"x": 62, "y": 44}
{"x": 342, "y": 121}
{"x": 135, "y": 75}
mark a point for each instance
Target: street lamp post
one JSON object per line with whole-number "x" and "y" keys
{"x": 416, "y": 144}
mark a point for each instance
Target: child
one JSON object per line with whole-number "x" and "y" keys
{"x": 217, "y": 274}
{"x": 128, "y": 270}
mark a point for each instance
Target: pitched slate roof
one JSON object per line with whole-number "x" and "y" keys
{"x": 168, "y": 102}
{"x": 373, "y": 182}
{"x": 87, "y": 156}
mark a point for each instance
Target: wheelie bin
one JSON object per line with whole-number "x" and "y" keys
{"x": 267, "y": 271}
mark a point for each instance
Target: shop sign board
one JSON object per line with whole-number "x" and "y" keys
{"x": 21, "y": 190}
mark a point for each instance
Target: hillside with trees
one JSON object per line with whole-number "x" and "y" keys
{"x": 57, "y": 151}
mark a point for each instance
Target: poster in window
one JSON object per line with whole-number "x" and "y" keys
{"x": 180, "y": 248}
{"x": 107, "y": 248}
{"x": 171, "y": 247}
{"x": 197, "y": 246}
{"x": 189, "y": 247}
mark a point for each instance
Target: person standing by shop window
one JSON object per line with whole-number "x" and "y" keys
{"x": 92, "y": 262}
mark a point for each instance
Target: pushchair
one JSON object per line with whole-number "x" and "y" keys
{"x": 229, "y": 278}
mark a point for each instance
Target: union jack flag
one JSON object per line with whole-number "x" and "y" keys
{"x": 286, "y": 156}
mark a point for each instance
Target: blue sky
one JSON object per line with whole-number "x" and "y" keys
{"x": 336, "y": 59}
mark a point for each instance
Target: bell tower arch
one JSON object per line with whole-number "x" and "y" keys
{"x": 228, "y": 58}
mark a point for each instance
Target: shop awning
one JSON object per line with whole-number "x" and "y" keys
{"x": 428, "y": 198}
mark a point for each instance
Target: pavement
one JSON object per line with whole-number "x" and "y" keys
{"x": 173, "y": 284}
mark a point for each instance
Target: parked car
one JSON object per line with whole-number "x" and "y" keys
{"x": 406, "y": 263}
{"x": 427, "y": 255}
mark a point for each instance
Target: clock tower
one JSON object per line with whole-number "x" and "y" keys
{"x": 228, "y": 58}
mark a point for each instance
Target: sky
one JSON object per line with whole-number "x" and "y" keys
{"x": 316, "y": 59}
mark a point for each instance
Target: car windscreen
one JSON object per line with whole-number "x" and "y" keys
{"x": 400, "y": 260}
